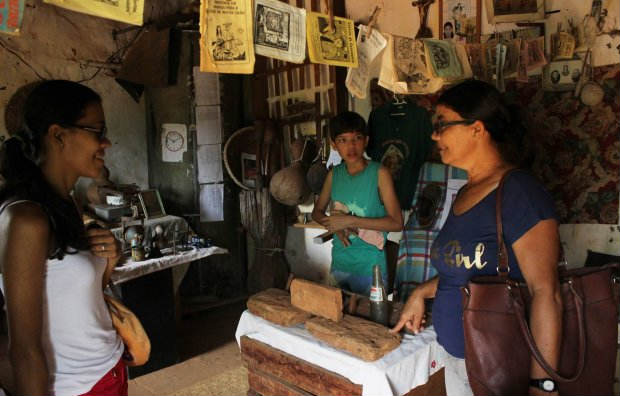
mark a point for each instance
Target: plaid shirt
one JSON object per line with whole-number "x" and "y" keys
{"x": 414, "y": 254}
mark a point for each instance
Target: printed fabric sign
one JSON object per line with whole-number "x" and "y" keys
{"x": 331, "y": 46}
{"x": 11, "y": 14}
{"x": 226, "y": 43}
{"x": 280, "y": 31}
{"x": 128, "y": 11}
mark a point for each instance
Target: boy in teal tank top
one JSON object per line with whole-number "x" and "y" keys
{"x": 363, "y": 199}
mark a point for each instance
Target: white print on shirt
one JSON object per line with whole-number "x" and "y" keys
{"x": 454, "y": 258}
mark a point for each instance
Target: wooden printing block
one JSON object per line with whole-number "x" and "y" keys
{"x": 362, "y": 338}
{"x": 275, "y": 306}
{"x": 320, "y": 300}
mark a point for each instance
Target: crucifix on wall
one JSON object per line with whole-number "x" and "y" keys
{"x": 423, "y": 6}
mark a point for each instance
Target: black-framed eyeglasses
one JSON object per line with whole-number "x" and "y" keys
{"x": 100, "y": 133}
{"x": 440, "y": 126}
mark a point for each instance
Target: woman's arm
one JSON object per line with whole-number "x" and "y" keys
{"x": 24, "y": 247}
{"x": 537, "y": 252}
{"x": 412, "y": 315}
{"x": 103, "y": 244}
{"x": 393, "y": 221}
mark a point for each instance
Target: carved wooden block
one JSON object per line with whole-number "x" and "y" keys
{"x": 362, "y": 338}
{"x": 320, "y": 300}
{"x": 275, "y": 306}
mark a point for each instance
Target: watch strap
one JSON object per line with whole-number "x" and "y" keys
{"x": 544, "y": 384}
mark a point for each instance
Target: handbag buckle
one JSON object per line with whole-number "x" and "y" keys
{"x": 499, "y": 270}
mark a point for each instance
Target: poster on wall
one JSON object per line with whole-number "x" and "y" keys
{"x": 562, "y": 75}
{"x": 459, "y": 20}
{"x": 128, "y": 11}
{"x": 332, "y": 46}
{"x": 514, "y": 10}
{"x": 226, "y": 44}
{"x": 11, "y": 15}
{"x": 280, "y": 31}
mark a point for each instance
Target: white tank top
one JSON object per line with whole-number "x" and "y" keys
{"x": 79, "y": 341}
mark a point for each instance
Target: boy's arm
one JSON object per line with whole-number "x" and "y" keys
{"x": 318, "y": 213}
{"x": 393, "y": 221}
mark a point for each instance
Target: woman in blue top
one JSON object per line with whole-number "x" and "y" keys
{"x": 476, "y": 131}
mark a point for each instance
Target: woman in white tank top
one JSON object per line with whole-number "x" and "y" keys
{"x": 61, "y": 339}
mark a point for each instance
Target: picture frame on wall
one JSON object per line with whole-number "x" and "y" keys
{"x": 151, "y": 204}
{"x": 460, "y": 20}
{"x": 514, "y": 10}
{"x": 562, "y": 75}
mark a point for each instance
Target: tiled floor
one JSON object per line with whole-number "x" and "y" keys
{"x": 210, "y": 360}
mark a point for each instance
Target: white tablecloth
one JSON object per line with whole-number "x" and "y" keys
{"x": 396, "y": 373}
{"x": 131, "y": 270}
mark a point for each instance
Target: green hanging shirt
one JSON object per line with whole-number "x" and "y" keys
{"x": 360, "y": 193}
{"x": 400, "y": 138}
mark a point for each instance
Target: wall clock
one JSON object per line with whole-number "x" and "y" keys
{"x": 174, "y": 140}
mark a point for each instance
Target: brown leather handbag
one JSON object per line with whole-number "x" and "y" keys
{"x": 499, "y": 344}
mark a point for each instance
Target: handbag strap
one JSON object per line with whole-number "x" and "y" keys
{"x": 502, "y": 253}
{"x": 503, "y": 269}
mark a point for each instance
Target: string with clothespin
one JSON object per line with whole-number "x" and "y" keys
{"x": 371, "y": 22}
{"x": 329, "y": 9}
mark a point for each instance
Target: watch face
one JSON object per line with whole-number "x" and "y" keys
{"x": 548, "y": 385}
{"x": 174, "y": 141}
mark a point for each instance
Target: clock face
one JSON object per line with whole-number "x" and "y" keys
{"x": 174, "y": 141}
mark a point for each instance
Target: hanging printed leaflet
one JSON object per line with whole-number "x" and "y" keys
{"x": 443, "y": 59}
{"x": 280, "y": 31}
{"x": 331, "y": 46}
{"x": 369, "y": 46}
{"x": 226, "y": 44}
{"x": 128, "y": 11}
{"x": 11, "y": 14}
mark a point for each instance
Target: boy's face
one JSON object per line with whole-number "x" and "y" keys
{"x": 350, "y": 145}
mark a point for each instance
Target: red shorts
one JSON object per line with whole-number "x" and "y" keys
{"x": 113, "y": 383}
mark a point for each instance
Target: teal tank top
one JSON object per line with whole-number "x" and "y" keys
{"x": 360, "y": 193}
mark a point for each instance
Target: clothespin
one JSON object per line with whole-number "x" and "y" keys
{"x": 329, "y": 8}
{"x": 373, "y": 19}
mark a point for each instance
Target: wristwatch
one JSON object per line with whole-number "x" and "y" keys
{"x": 545, "y": 384}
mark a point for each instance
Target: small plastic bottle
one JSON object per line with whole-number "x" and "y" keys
{"x": 379, "y": 309}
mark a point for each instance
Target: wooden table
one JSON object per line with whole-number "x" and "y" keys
{"x": 290, "y": 361}
{"x": 273, "y": 372}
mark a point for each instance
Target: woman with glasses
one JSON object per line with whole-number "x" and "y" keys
{"x": 475, "y": 130}
{"x": 62, "y": 341}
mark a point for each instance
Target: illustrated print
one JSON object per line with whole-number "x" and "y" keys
{"x": 332, "y": 41}
{"x": 272, "y": 27}
{"x": 440, "y": 57}
{"x": 393, "y": 160}
{"x": 226, "y": 47}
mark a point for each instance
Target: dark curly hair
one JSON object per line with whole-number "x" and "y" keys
{"x": 51, "y": 102}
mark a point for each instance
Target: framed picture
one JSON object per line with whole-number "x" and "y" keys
{"x": 562, "y": 75}
{"x": 249, "y": 169}
{"x": 151, "y": 204}
{"x": 459, "y": 20}
{"x": 514, "y": 10}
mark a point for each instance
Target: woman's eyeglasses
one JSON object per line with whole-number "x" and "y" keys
{"x": 440, "y": 126}
{"x": 100, "y": 133}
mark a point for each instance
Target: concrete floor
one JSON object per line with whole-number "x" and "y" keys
{"x": 210, "y": 360}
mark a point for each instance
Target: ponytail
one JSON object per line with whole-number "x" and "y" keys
{"x": 478, "y": 100}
